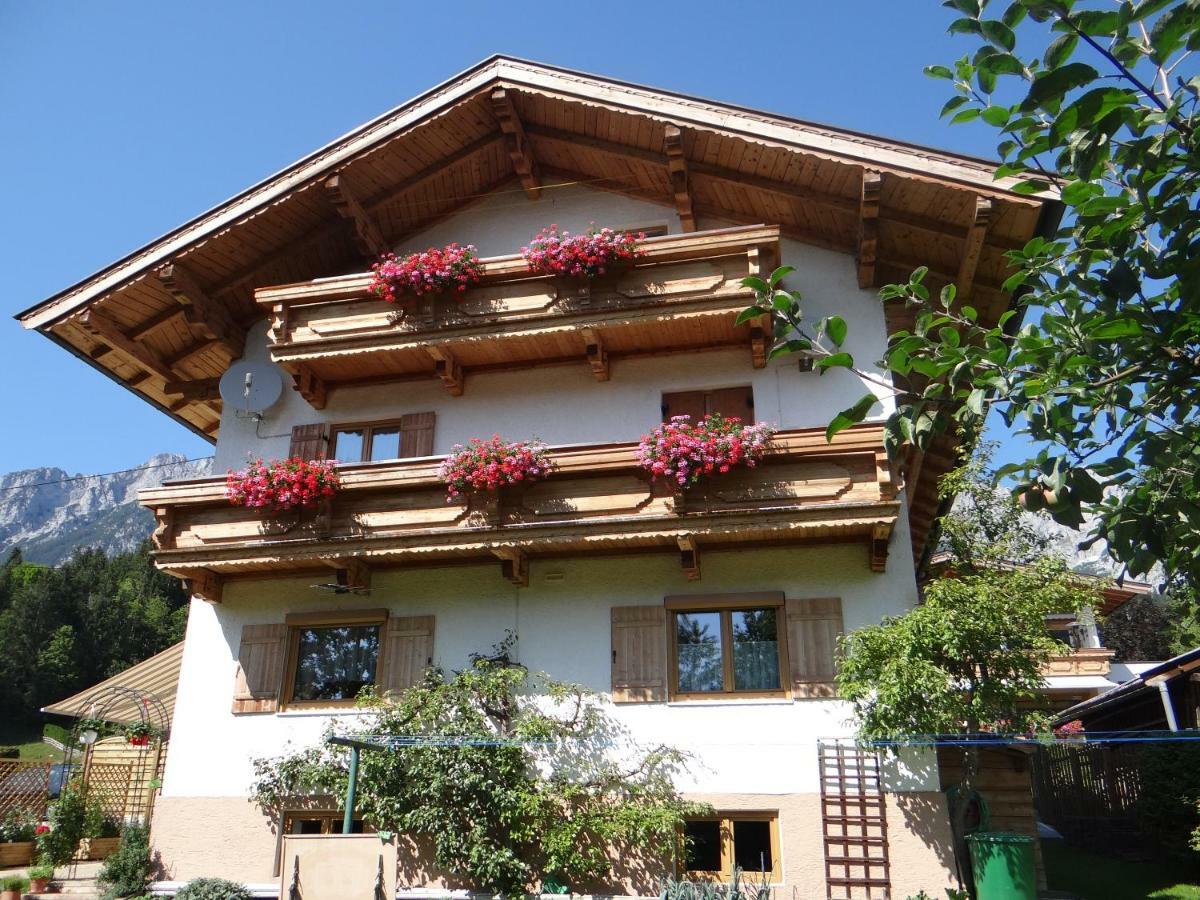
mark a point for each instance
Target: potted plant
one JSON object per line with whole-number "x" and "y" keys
{"x": 13, "y": 886}
{"x": 39, "y": 877}
{"x": 141, "y": 733}
{"x": 283, "y": 484}
{"x": 596, "y": 251}
{"x": 105, "y": 841}
{"x": 686, "y": 454}
{"x": 17, "y": 832}
{"x": 482, "y": 469}
{"x": 452, "y": 268}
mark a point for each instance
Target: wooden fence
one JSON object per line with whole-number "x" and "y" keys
{"x": 1089, "y": 793}
{"x": 24, "y": 788}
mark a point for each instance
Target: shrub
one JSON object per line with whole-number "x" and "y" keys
{"x": 68, "y": 821}
{"x": 18, "y": 825}
{"x": 127, "y": 870}
{"x": 213, "y": 889}
{"x": 41, "y": 872}
{"x": 14, "y": 883}
{"x": 1170, "y": 790}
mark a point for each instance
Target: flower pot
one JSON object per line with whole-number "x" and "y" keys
{"x": 38, "y": 885}
{"x": 139, "y": 740}
{"x": 490, "y": 507}
{"x": 10, "y": 895}
{"x": 16, "y": 853}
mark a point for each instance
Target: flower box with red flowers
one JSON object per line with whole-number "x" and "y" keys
{"x": 452, "y": 268}
{"x": 283, "y": 484}
{"x": 686, "y": 453}
{"x": 596, "y": 251}
{"x": 481, "y": 469}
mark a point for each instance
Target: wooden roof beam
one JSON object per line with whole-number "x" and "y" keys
{"x": 387, "y": 195}
{"x": 677, "y": 168}
{"x": 151, "y": 325}
{"x": 206, "y": 317}
{"x": 973, "y": 248}
{"x": 367, "y": 235}
{"x": 518, "y": 144}
{"x": 187, "y": 353}
{"x": 203, "y": 389}
{"x": 868, "y": 227}
{"x": 102, "y": 326}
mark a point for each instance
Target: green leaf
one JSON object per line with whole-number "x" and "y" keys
{"x": 747, "y": 315}
{"x": 851, "y": 416}
{"x": 1059, "y": 50}
{"x": 975, "y": 401}
{"x": 949, "y": 337}
{"x": 939, "y": 72}
{"x": 1078, "y": 191}
{"x": 781, "y": 273}
{"x": 967, "y": 115}
{"x": 998, "y": 33}
{"x": 1054, "y": 83}
{"x": 1116, "y": 328}
{"x": 835, "y": 327}
{"x": 1097, "y": 23}
{"x": 965, "y": 26}
{"x": 836, "y": 360}
{"x": 947, "y": 295}
{"x": 782, "y": 301}
{"x": 1169, "y": 30}
{"x": 754, "y": 283}
{"x": 951, "y": 105}
{"x": 996, "y": 116}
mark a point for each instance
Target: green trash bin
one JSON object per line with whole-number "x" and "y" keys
{"x": 1004, "y": 866}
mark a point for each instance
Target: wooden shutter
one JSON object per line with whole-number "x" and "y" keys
{"x": 407, "y": 651}
{"x": 309, "y": 441}
{"x": 813, "y": 627}
{"x": 733, "y": 403}
{"x": 684, "y": 403}
{"x": 639, "y": 654}
{"x": 416, "y": 434}
{"x": 261, "y": 660}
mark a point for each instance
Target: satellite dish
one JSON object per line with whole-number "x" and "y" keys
{"x": 251, "y": 387}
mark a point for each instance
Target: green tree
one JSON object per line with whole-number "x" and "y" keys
{"x": 1105, "y": 375}
{"x": 508, "y": 776}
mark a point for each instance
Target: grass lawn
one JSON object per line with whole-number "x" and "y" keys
{"x": 1096, "y": 877}
{"x": 29, "y": 740}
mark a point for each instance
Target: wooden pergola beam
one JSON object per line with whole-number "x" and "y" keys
{"x": 100, "y": 325}
{"x": 973, "y": 248}
{"x": 677, "y": 168}
{"x": 367, "y": 234}
{"x": 206, "y": 317}
{"x": 519, "y": 150}
{"x": 868, "y": 227}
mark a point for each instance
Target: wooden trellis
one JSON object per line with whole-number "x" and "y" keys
{"x": 854, "y": 823}
{"x": 24, "y": 787}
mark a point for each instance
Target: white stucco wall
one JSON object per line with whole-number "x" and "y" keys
{"x": 565, "y": 404}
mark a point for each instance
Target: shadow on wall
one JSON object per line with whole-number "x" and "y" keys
{"x": 925, "y": 816}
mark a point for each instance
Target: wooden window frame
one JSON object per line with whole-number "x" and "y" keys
{"x": 368, "y": 430}
{"x": 327, "y": 817}
{"x": 726, "y": 605}
{"x": 726, "y": 819}
{"x": 297, "y": 622}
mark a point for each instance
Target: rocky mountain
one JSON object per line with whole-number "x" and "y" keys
{"x": 48, "y": 512}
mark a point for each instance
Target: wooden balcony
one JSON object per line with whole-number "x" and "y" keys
{"x": 683, "y": 294}
{"x": 1081, "y": 661}
{"x": 597, "y": 500}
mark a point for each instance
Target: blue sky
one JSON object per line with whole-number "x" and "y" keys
{"x": 121, "y": 120}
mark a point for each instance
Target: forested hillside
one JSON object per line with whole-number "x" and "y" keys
{"x": 64, "y": 628}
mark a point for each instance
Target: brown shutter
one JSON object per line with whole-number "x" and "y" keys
{"x": 683, "y": 403}
{"x": 639, "y": 654}
{"x": 813, "y": 627}
{"x": 309, "y": 441}
{"x": 261, "y": 660}
{"x": 733, "y": 403}
{"x": 416, "y": 434}
{"x": 407, "y": 652}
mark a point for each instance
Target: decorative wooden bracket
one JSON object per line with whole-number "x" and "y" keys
{"x": 101, "y": 326}
{"x": 868, "y": 227}
{"x": 973, "y": 248}
{"x": 204, "y": 584}
{"x": 514, "y": 565}
{"x": 206, "y": 317}
{"x": 884, "y": 476}
{"x": 367, "y": 235}
{"x": 759, "y": 329}
{"x": 518, "y": 144}
{"x": 351, "y": 571}
{"x": 596, "y": 354}
{"x": 311, "y": 388}
{"x": 164, "y": 528}
{"x": 677, "y": 168}
{"x": 202, "y": 389}
{"x": 689, "y": 557}
{"x": 880, "y": 539}
{"x": 446, "y": 367}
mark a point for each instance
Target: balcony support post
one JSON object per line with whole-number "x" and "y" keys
{"x": 310, "y": 387}
{"x": 514, "y": 565}
{"x": 881, "y": 537}
{"x": 689, "y": 556}
{"x": 204, "y": 584}
{"x": 448, "y": 369}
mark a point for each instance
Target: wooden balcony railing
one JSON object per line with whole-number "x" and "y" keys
{"x": 683, "y": 294}
{"x": 1081, "y": 661}
{"x": 596, "y": 500}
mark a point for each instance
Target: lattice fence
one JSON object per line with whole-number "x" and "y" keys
{"x": 109, "y": 784}
{"x": 24, "y": 787}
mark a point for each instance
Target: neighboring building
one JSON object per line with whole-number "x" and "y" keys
{"x": 1162, "y": 696}
{"x": 595, "y": 569}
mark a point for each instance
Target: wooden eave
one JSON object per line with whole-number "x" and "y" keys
{"x": 166, "y": 320}
{"x": 596, "y": 499}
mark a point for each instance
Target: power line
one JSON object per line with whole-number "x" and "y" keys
{"x": 148, "y": 466}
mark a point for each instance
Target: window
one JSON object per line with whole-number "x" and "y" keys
{"x": 716, "y": 845}
{"x": 332, "y": 656}
{"x": 321, "y": 822}
{"x": 732, "y": 403}
{"x": 408, "y": 436}
{"x": 734, "y": 648}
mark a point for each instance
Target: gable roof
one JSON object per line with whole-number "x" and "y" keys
{"x": 166, "y": 320}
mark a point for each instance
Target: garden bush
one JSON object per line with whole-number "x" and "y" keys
{"x": 213, "y": 889}
{"x": 127, "y": 871}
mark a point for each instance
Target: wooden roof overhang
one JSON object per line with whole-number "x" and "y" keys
{"x": 684, "y": 293}
{"x": 166, "y": 320}
{"x": 597, "y": 499}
